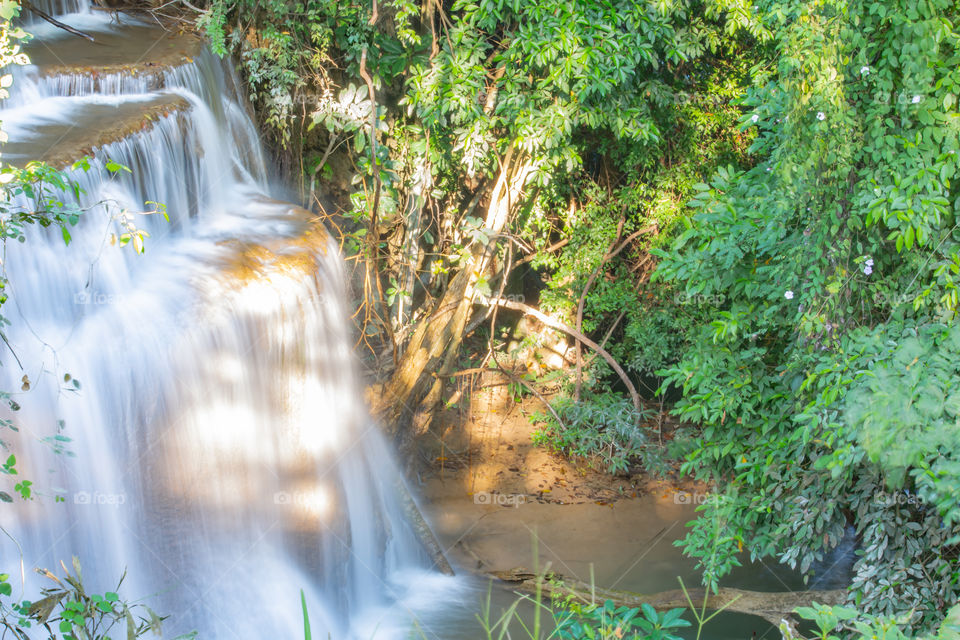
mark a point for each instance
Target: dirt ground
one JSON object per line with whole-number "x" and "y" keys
{"x": 497, "y": 503}
{"x": 484, "y": 445}
{"x": 492, "y": 497}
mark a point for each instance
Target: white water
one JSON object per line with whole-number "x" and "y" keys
{"x": 222, "y": 455}
{"x": 56, "y": 8}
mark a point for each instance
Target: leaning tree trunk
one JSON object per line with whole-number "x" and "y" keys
{"x": 406, "y": 403}
{"x": 408, "y": 398}
{"x": 773, "y": 607}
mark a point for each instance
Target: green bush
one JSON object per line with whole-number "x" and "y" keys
{"x": 67, "y": 611}
{"x": 603, "y": 429}
{"x": 610, "y": 622}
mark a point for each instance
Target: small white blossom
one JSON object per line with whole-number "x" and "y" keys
{"x": 864, "y": 71}
{"x": 916, "y": 99}
{"x": 867, "y": 270}
{"x": 821, "y": 115}
{"x": 788, "y": 295}
{"x": 868, "y": 262}
{"x": 754, "y": 118}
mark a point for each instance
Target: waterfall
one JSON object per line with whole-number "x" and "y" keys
{"x": 218, "y": 450}
{"x": 56, "y": 8}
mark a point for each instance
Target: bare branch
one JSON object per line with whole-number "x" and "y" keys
{"x": 559, "y": 326}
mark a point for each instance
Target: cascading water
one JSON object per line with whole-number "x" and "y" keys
{"x": 55, "y": 8}
{"x": 222, "y": 455}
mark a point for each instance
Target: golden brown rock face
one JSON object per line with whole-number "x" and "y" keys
{"x": 284, "y": 254}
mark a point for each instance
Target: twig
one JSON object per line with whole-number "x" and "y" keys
{"x": 313, "y": 176}
{"x": 583, "y": 301}
{"x": 583, "y": 296}
{"x": 531, "y": 257}
{"x": 47, "y": 17}
{"x": 559, "y": 326}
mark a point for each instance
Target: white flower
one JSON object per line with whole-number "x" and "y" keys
{"x": 867, "y": 270}
{"x": 754, "y": 118}
{"x": 864, "y": 71}
{"x": 821, "y": 115}
{"x": 788, "y": 295}
{"x": 868, "y": 262}
{"x": 916, "y": 99}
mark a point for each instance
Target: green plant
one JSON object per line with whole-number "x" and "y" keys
{"x": 610, "y": 622}
{"x": 307, "y": 635}
{"x": 601, "y": 428}
{"x": 833, "y": 623}
{"x": 831, "y": 256}
{"x": 67, "y": 611}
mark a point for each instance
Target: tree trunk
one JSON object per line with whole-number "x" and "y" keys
{"x": 406, "y": 403}
{"x": 408, "y": 398}
{"x": 773, "y": 607}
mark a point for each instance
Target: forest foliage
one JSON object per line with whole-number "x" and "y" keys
{"x": 751, "y": 204}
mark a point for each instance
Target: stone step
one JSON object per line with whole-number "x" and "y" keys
{"x": 60, "y": 131}
{"x": 126, "y": 58}
{"x": 55, "y": 8}
{"x": 133, "y": 48}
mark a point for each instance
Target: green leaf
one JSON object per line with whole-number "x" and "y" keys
{"x": 116, "y": 167}
{"x": 306, "y": 617}
{"x": 9, "y": 9}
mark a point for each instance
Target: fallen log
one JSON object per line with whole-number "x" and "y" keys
{"x": 423, "y": 530}
{"x": 773, "y": 606}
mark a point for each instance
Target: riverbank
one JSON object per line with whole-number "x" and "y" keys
{"x": 496, "y": 502}
{"x": 492, "y": 497}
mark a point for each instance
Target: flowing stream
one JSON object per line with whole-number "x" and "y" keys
{"x": 218, "y": 450}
